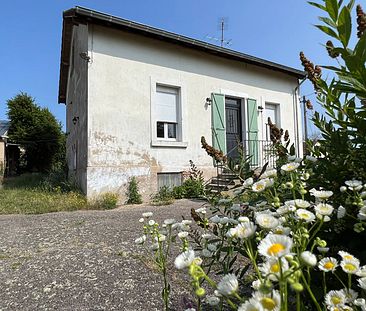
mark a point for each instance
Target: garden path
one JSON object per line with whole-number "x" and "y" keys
{"x": 84, "y": 260}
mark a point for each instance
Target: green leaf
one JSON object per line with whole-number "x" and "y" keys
{"x": 328, "y": 31}
{"x": 344, "y": 26}
{"x": 332, "y": 9}
{"x": 350, "y": 5}
{"x": 328, "y": 21}
{"x": 317, "y": 5}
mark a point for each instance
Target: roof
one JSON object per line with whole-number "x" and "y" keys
{"x": 4, "y": 127}
{"x": 84, "y": 15}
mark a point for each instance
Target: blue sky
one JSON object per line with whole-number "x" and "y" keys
{"x": 30, "y": 36}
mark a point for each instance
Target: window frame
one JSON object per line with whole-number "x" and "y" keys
{"x": 277, "y": 115}
{"x": 181, "y": 99}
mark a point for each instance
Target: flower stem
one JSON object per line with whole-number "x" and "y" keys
{"x": 311, "y": 293}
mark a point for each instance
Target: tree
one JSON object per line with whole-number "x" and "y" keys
{"x": 36, "y": 130}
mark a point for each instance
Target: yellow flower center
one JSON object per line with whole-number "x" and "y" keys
{"x": 268, "y": 303}
{"x": 260, "y": 187}
{"x": 306, "y": 216}
{"x": 329, "y": 265}
{"x": 336, "y": 300}
{"x": 348, "y": 257}
{"x": 275, "y": 268}
{"x": 275, "y": 249}
{"x": 350, "y": 267}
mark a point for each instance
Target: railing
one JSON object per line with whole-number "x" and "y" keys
{"x": 259, "y": 151}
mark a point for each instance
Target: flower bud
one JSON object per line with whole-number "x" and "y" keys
{"x": 200, "y": 291}
{"x": 297, "y": 287}
{"x": 343, "y": 188}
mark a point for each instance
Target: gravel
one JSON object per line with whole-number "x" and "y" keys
{"x": 84, "y": 260}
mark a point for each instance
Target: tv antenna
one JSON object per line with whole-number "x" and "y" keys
{"x": 222, "y": 26}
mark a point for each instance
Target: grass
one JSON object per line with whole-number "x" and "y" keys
{"x": 26, "y": 195}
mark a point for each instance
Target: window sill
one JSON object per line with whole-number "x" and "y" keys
{"x": 169, "y": 144}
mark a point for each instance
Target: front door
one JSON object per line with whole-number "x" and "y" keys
{"x": 233, "y": 126}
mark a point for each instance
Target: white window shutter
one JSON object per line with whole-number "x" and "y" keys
{"x": 166, "y": 104}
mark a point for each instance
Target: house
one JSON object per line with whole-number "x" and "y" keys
{"x": 138, "y": 99}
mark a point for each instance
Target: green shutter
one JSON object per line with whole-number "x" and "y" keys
{"x": 253, "y": 144}
{"x": 218, "y": 122}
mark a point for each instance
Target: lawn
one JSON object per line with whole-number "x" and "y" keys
{"x": 26, "y": 195}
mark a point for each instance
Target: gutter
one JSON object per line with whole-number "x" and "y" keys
{"x": 296, "y": 114}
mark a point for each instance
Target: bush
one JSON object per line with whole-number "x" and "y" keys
{"x": 132, "y": 193}
{"x": 163, "y": 197}
{"x": 106, "y": 200}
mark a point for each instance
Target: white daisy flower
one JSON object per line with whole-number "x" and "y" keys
{"x": 259, "y": 186}
{"x": 141, "y": 240}
{"x": 301, "y": 203}
{"x": 341, "y": 212}
{"x": 321, "y": 194}
{"x": 335, "y": 298}
{"x": 206, "y": 236}
{"x": 266, "y": 221}
{"x": 151, "y": 222}
{"x": 362, "y": 271}
{"x": 245, "y": 230}
{"x": 228, "y": 285}
{"x": 147, "y": 214}
{"x": 272, "y": 268}
{"x": 351, "y": 295}
{"x": 248, "y": 182}
{"x": 251, "y": 305}
{"x": 347, "y": 256}
{"x": 289, "y": 167}
{"x": 303, "y": 214}
{"x": 354, "y": 184}
{"x": 360, "y": 302}
{"x": 328, "y": 264}
{"x": 324, "y": 209}
{"x": 362, "y": 282}
{"x": 141, "y": 220}
{"x": 322, "y": 217}
{"x": 308, "y": 258}
{"x": 269, "y": 173}
{"x": 160, "y": 238}
{"x": 271, "y": 301}
{"x": 282, "y": 210}
{"x": 186, "y": 222}
{"x": 322, "y": 249}
{"x": 281, "y": 230}
{"x": 243, "y": 219}
{"x": 184, "y": 260}
{"x": 256, "y": 284}
{"x": 274, "y": 245}
{"x": 169, "y": 221}
{"x": 350, "y": 266}
{"x": 269, "y": 182}
{"x": 362, "y": 213}
{"x": 231, "y": 233}
{"x": 183, "y": 234}
{"x": 201, "y": 210}
{"x": 215, "y": 219}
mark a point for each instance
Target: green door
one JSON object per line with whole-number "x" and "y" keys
{"x": 218, "y": 122}
{"x": 253, "y": 143}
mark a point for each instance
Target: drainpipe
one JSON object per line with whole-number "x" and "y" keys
{"x": 296, "y": 115}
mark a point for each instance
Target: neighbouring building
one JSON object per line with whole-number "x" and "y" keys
{"x": 4, "y": 127}
{"x": 138, "y": 99}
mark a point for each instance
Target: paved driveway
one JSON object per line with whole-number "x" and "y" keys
{"x": 84, "y": 260}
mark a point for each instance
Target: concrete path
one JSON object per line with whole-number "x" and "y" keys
{"x": 84, "y": 260}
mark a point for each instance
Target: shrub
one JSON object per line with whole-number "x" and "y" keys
{"x": 106, "y": 200}
{"x": 132, "y": 193}
{"x": 163, "y": 197}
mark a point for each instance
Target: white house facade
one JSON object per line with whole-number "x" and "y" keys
{"x": 138, "y": 100}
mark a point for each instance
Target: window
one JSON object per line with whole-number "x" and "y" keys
{"x": 169, "y": 180}
{"x": 271, "y": 111}
{"x": 167, "y": 112}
